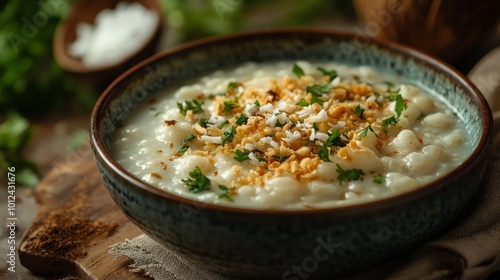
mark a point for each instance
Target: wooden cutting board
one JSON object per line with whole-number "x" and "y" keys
{"x": 76, "y": 223}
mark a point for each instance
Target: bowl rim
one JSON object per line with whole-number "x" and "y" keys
{"x": 74, "y": 64}
{"x": 372, "y": 206}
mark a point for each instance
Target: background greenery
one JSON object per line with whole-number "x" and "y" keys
{"x": 33, "y": 86}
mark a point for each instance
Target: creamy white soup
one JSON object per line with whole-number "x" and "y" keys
{"x": 291, "y": 135}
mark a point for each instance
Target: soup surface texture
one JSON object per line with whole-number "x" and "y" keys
{"x": 291, "y": 135}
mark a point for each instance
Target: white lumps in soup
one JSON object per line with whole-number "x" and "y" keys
{"x": 292, "y": 136}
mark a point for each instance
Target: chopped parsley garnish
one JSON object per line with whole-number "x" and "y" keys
{"x": 400, "y": 105}
{"x": 399, "y": 108}
{"x": 333, "y": 140}
{"x": 279, "y": 124}
{"x": 242, "y": 119}
{"x": 332, "y": 73}
{"x": 280, "y": 158}
{"x": 183, "y": 149}
{"x": 359, "y": 111}
{"x": 317, "y": 91}
{"x": 349, "y": 175}
{"x": 228, "y": 135}
{"x": 203, "y": 122}
{"x": 232, "y": 85}
{"x": 297, "y": 71}
{"x": 241, "y": 155}
{"x": 157, "y": 114}
{"x": 389, "y": 84}
{"x": 152, "y": 109}
{"x": 389, "y": 121}
{"x": 230, "y": 105}
{"x": 196, "y": 181}
{"x": 365, "y": 130}
{"x": 302, "y": 102}
{"x": 223, "y": 124}
{"x": 193, "y": 105}
{"x": 380, "y": 179}
{"x": 189, "y": 138}
{"x": 391, "y": 96}
{"x": 225, "y": 192}
{"x": 257, "y": 103}
{"x": 315, "y": 126}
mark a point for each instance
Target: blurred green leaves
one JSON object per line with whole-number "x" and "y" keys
{"x": 30, "y": 82}
{"x": 15, "y": 132}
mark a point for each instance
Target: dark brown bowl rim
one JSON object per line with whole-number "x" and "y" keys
{"x": 75, "y": 65}
{"x": 349, "y": 210}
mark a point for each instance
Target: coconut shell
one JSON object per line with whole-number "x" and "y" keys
{"x": 444, "y": 28}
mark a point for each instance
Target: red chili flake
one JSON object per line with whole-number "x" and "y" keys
{"x": 169, "y": 122}
{"x": 200, "y": 97}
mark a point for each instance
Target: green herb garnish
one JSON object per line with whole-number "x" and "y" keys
{"x": 315, "y": 126}
{"x": 391, "y": 96}
{"x": 232, "y": 85}
{"x": 242, "y": 119}
{"x": 223, "y": 124}
{"x": 297, "y": 71}
{"x": 349, "y": 175}
{"x": 189, "y": 138}
{"x": 228, "y": 135}
{"x": 302, "y": 102}
{"x": 197, "y": 182}
{"x": 193, "y": 105}
{"x": 225, "y": 192}
{"x": 359, "y": 111}
{"x": 280, "y": 158}
{"x": 365, "y": 130}
{"x": 317, "y": 91}
{"x": 380, "y": 179}
{"x": 332, "y": 73}
{"x": 400, "y": 105}
{"x": 333, "y": 140}
{"x": 203, "y": 122}
{"x": 389, "y": 84}
{"x": 183, "y": 149}
{"x": 230, "y": 105}
{"x": 241, "y": 155}
{"x": 257, "y": 103}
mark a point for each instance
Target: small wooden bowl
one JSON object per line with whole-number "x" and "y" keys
{"x": 86, "y": 11}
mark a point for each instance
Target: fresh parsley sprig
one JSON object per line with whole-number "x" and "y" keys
{"x": 349, "y": 174}
{"x": 197, "y": 182}
{"x": 228, "y": 134}
{"x": 193, "y": 105}
{"x": 225, "y": 192}
{"x": 359, "y": 111}
{"x": 331, "y": 73}
{"x": 297, "y": 71}
{"x": 317, "y": 92}
{"x": 333, "y": 140}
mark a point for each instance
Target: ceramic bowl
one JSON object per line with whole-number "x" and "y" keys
{"x": 262, "y": 244}
{"x": 86, "y": 11}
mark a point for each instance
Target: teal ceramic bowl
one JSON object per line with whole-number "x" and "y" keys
{"x": 313, "y": 244}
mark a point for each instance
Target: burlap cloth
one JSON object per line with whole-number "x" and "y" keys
{"x": 468, "y": 250}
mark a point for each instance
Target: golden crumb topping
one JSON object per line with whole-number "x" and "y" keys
{"x": 291, "y": 127}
